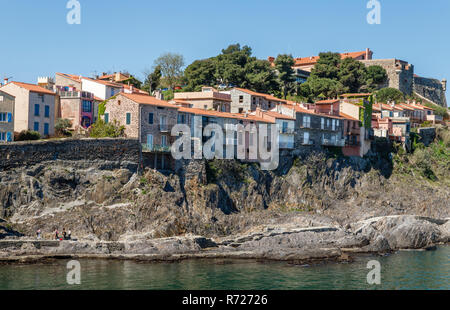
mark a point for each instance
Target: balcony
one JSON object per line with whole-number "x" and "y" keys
{"x": 330, "y": 142}
{"x": 286, "y": 131}
{"x": 155, "y": 148}
{"x": 163, "y": 128}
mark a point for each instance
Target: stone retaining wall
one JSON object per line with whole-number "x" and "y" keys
{"x": 19, "y": 154}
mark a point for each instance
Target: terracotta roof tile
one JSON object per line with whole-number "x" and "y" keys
{"x": 211, "y": 113}
{"x": 33, "y": 88}
{"x": 145, "y": 99}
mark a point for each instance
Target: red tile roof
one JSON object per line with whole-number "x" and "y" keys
{"x": 328, "y": 101}
{"x": 302, "y": 110}
{"x": 76, "y": 78}
{"x": 356, "y": 95}
{"x": 145, "y": 99}
{"x": 279, "y": 115}
{"x": 211, "y": 113}
{"x": 33, "y": 88}
{"x": 267, "y": 96}
{"x": 313, "y": 59}
{"x": 111, "y": 84}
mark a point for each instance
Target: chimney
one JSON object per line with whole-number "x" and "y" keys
{"x": 368, "y": 54}
{"x": 5, "y": 81}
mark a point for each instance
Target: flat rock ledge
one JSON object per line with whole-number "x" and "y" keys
{"x": 280, "y": 243}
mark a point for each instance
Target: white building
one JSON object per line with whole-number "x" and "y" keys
{"x": 101, "y": 89}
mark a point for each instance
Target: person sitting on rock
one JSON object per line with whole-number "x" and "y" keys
{"x": 56, "y": 234}
{"x": 64, "y": 234}
{"x": 38, "y": 234}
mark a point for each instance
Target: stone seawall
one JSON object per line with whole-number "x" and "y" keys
{"x": 20, "y": 154}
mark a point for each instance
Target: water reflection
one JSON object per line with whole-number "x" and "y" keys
{"x": 404, "y": 270}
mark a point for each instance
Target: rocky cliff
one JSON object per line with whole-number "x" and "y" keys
{"x": 235, "y": 205}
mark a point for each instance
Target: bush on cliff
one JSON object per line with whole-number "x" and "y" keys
{"x": 62, "y": 127}
{"x": 28, "y": 135}
{"x": 106, "y": 130}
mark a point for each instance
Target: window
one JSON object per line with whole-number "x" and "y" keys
{"x": 47, "y": 111}
{"x": 150, "y": 141}
{"x": 46, "y": 127}
{"x": 307, "y": 121}
{"x": 128, "y": 118}
{"x": 3, "y": 117}
{"x": 306, "y": 137}
{"x": 333, "y": 124}
{"x": 163, "y": 140}
{"x": 112, "y": 92}
{"x": 36, "y": 109}
{"x": 150, "y": 118}
{"x": 181, "y": 118}
{"x": 328, "y": 123}
{"x": 2, "y": 136}
{"x": 1, "y": 98}
{"x": 36, "y": 126}
{"x": 285, "y": 127}
{"x": 106, "y": 118}
{"x": 87, "y": 106}
{"x": 41, "y": 97}
{"x": 241, "y": 99}
{"x": 322, "y": 123}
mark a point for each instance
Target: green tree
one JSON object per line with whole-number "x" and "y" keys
{"x": 327, "y": 66}
{"x": 320, "y": 88}
{"x": 284, "y": 64}
{"x": 352, "y": 74}
{"x": 171, "y": 68}
{"x": 106, "y": 130}
{"x": 375, "y": 77}
{"x": 200, "y": 73}
{"x": 153, "y": 79}
{"x": 389, "y": 94}
{"x": 260, "y": 77}
{"x": 234, "y": 66}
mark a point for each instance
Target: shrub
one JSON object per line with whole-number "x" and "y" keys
{"x": 62, "y": 126}
{"x": 28, "y": 135}
{"x": 389, "y": 94}
{"x": 106, "y": 130}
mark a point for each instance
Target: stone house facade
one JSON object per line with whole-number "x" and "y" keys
{"x": 6, "y": 117}
{"x": 208, "y": 99}
{"x": 244, "y": 100}
{"x": 314, "y": 130}
{"x": 144, "y": 117}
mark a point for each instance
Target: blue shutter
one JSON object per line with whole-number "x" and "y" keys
{"x": 9, "y": 117}
{"x": 106, "y": 118}
{"x": 9, "y": 136}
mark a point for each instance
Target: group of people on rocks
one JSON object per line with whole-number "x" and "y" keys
{"x": 64, "y": 235}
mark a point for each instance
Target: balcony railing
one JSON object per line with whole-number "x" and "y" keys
{"x": 163, "y": 127}
{"x": 339, "y": 142}
{"x": 286, "y": 131}
{"x": 155, "y": 148}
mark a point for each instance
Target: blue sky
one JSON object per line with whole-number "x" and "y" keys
{"x": 116, "y": 35}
